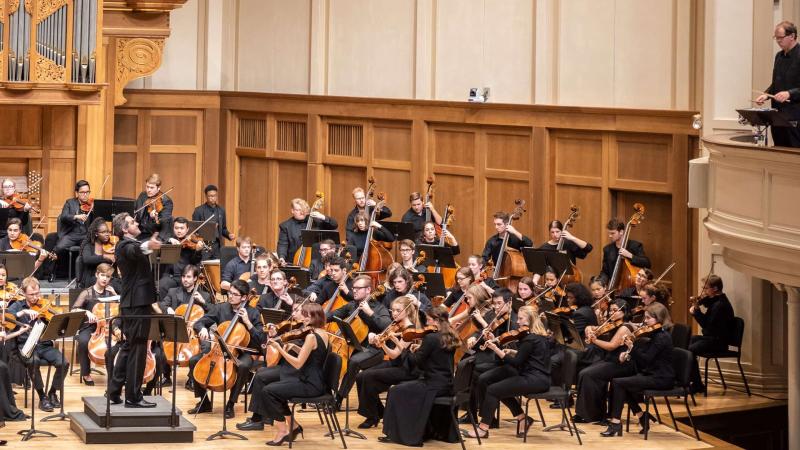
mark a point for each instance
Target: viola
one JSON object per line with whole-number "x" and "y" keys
{"x": 413, "y": 334}
{"x": 24, "y": 243}
{"x": 19, "y": 203}
{"x": 87, "y": 206}
{"x": 9, "y": 322}
{"x": 508, "y": 337}
{"x": 274, "y": 356}
{"x": 110, "y": 246}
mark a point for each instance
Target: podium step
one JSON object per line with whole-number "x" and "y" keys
{"x": 92, "y": 433}
{"x": 121, "y": 417}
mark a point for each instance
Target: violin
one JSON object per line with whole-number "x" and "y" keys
{"x": 24, "y": 243}
{"x": 413, "y": 334}
{"x": 11, "y": 292}
{"x": 392, "y": 329}
{"x": 110, "y": 246}
{"x": 19, "y": 203}
{"x": 608, "y": 327}
{"x": 45, "y": 311}
{"x": 195, "y": 242}
{"x": 566, "y": 310}
{"x": 643, "y": 331}
{"x": 157, "y": 206}
{"x": 273, "y": 356}
{"x": 494, "y": 324}
{"x": 9, "y": 322}
{"x": 87, "y": 206}
{"x": 508, "y": 337}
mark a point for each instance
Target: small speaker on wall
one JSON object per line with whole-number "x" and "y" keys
{"x": 698, "y": 183}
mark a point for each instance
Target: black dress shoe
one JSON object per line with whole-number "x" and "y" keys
{"x": 53, "y": 397}
{"x": 578, "y": 419}
{"x": 250, "y": 425}
{"x": 384, "y": 439}
{"x": 189, "y": 385}
{"x": 644, "y": 419}
{"x": 296, "y": 431}
{"x": 115, "y": 399}
{"x": 89, "y": 382}
{"x": 45, "y": 405}
{"x": 369, "y": 423}
{"x": 229, "y": 413}
{"x": 201, "y": 407}
{"x": 524, "y": 425}
{"x": 3, "y": 443}
{"x": 614, "y": 429}
{"x": 280, "y": 442}
{"x": 140, "y": 404}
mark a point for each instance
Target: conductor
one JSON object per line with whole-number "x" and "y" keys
{"x": 138, "y": 294}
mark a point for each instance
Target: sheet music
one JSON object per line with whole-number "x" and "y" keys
{"x": 33, "y": 339}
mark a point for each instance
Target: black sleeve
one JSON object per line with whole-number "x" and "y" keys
{"x": 89, "y": 258}
{"x": 645, "y": 355}
{"x": 342, "y": 312}
{"x": 382, "y": 234}
{"x": 257, "y": 332}
{"x": 328, "y": 224}
{"x": 283, "y": 242}
{"x": 165, "y": 216}
{"x": 430, "y": 343}
{"x": 210, "y": 318}
{"x": 526, "y": 241}
{"x": 581, "y": 253}
{"x": 639, "y": 258}
{"x": 384, "y": 213}
{"x": 196, "y": 217}
{"x": 380, "y": 318}
{"x": 487, "y": 251}
{"x": 524, "y": 351}
{"x": 66, "y": 216}
{"x": 223, "y": 224}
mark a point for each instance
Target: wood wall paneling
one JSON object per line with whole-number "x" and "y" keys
{"x": 396, "y": 184}
{"x": 340, "y": 182}
{"x": 173, "y": 129}
{"x": 125, "y": 174}
{"x": 500, "y": 196}
{"x": 253, "y": 217}
{"x": 453, "y": 147}
{"x": 590, "y": 225}
{"x": 655, "y": 231}
{"x": 460, "y": 192}
{"x": 508, "y": 151}
{"x": 392, "y": 142}
{"x": 578, "y": 156}
{"x": 62, "y": 127}
{"x": 638, "y": 159}
{"x": 126, "y": 124}
{"x": 290, "y": 181}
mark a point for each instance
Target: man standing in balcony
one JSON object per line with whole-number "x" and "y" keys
{"x": 785, "y": 88}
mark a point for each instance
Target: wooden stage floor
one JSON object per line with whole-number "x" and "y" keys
{"x": 661, "y": 436}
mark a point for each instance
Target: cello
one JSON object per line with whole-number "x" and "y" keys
{"x": 510, "y": 266}
{"x": 212, "y": 369}
{"x": 191, "y": 312}
{"x": 302, "y": 257}
{"x": 375, "y": 258}
{"x": 624, "y": 275}
{"x": 576, "y": 276}
{"x": 98, "y": 341}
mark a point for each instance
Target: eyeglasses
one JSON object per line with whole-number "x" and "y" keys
{"x": 404, "y": 250}
{"x": 359, "y": 287}
{"x": 84, "y": 192}
{"x": 234, "y": 294}
{"x": 778, "y": 38}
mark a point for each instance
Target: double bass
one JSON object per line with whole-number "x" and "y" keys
{"x": 375, "y": 258}
{"x": 624, "y": 275}
{"x": 302, "y": 257}
{"x": 510, "y": 265}
{"x": 448, "y": 273}
{"x": 576, "y": 276}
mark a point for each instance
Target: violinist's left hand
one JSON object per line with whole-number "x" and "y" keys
{"x": 413, "y": 348}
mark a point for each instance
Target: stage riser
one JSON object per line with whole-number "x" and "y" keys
{"x": 91, "y": 433}
{"x": 762, "y": 428}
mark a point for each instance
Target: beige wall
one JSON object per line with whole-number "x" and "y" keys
{"x": 629, "y": 53}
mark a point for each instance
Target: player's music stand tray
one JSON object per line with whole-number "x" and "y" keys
{"x": 762, "y": 119}
{"x": 107, "y": 209}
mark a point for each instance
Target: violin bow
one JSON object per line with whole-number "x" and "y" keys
{"x": 102, "y": 186}
{"x": 188, "y": 235}
{"x": 153, "y": 200}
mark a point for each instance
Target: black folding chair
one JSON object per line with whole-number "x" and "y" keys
{"x": 462, "y": 385}
{"x": 561, "y": 394}
{"x": 736, "y": 353}
{"x": 325, "y": 402}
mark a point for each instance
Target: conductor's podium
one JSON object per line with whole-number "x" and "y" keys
{"x": 129, "y": 425}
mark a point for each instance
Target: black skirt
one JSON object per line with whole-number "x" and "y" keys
{"x": 410, "y": 416}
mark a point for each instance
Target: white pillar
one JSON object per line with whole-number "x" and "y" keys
{"x": 794, "y": 366}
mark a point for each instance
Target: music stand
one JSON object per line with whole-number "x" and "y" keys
{"x": 538, "y": 260}
{"x": 436, "y": 255}
{"x": 173, "y": 329}
{"x": 61, "y": 326}
{"x": 762, "y": 119}
{"x": 18, "y": 264}
{"x": 353, "y": 345}
{"x": 302, "y": 276}
{"x": 207, "y": 232}
{"x": 226, "y": 356}
{"x": 107, "y": 209}
{"x": 273, "y": 316}
{"x": 400, "y": 230}
{"x": 557, "y": 324}
{"x": 312, "y": 237}
{"x": 434, "y": 283}
{"x": 4, "y": 217}
{"x": 167, "y": 254}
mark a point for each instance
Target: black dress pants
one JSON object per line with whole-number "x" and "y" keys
{"x": 275, "y": 396}
{"x": 262, "y": 378}
{"x": 242, "y": 375}
{"x": 505, "y": 384}
{"x": 593, "y": 388}
{"x": 47, "y": 355}
{"x": 372, "y": 382}
{"x": 699, "y": 345}
{"x": 130, "y": 360}
{"x": 629, "y": 389}
{"x": 359, "y": 361}
{"x": 82, "y": 350}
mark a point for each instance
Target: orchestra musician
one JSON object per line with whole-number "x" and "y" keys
{"x": 74, "y": 219}
{"x": 582, "y": 316}
{"x": 407, "y": 259}
{"x": 138, "y": 297}
{"x": 239, "y": 265}
{"x": 308, "y": 382}
{"x": 44, "y": 353}
{"x": 260, "y": 282}
{"x": 477, "y": 265}
{"x": 521, "y": 372}
{"x": 651, "y": 293}
{"x": 181, "y": 295}
{"x": 225, "y": 312}
{"x": 323, "y": 289}
{"x": 191, "y": 254}
{"x": 555, "y": 294}
{"x": 410, "y": 416}
{"x": 574, "y": 246}
{"x": 364, "y": 205}
{"x": 416, "y": 213}
{"x": 633, "y": 251}
{"x": 652, "y": 359}
{"x": 463, "y": 280}
{"x": 402, "y": 283}
{"x": 477, "y": 300}
{"x": 14, "y": 234}
{"x": 290, "y": 230}
{"x": 714, "y": 313}
{"x": 9, "y": 292}
{"x": 785, "y": 81}
{"x": 429, "y": 237}
{"x": 96, "y": 249}
{"x": 326, "y": 248}
{"x": 8, "y": 405}
{"x": 376, "y": 317}
{"x": 86, "y": 301}
{"x": 358, "y": 238}
{"x": 24, "y": 216}
{"x": 370, "y": 383}
{"x": 278, "y": 297}
{"x": 643, "y": 276}
{"x": 157, "y": 216}
{"x": 210, "y": 208}
{"x": 516, "y": 240}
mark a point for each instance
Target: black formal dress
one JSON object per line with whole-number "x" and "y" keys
{"x": 491, "y": 251}
{"x": 147, "y": 224}
{"x": 786, "y": 77}
{"x": 138, "y": 294}
{"x": 593, "y": 381}
{"x": 204, "y": 212}
{"x": 306, "y": 382}
{"x": 89, "y": 263}
{"x": 8, "y": 405}
{"x": 217, "y": 315}
{"x": 369, "y": 355}
{"x": 410, "y": 416}
{"x": 652, "y": 359}
{"x": 350, "y": 224}
{"x": 527, "y": 372}
{"x": 290, "y": 234}
{"x": 610, "y": 253}
{"x": 358, "y": 239}
{"x": 715, "y": 317}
